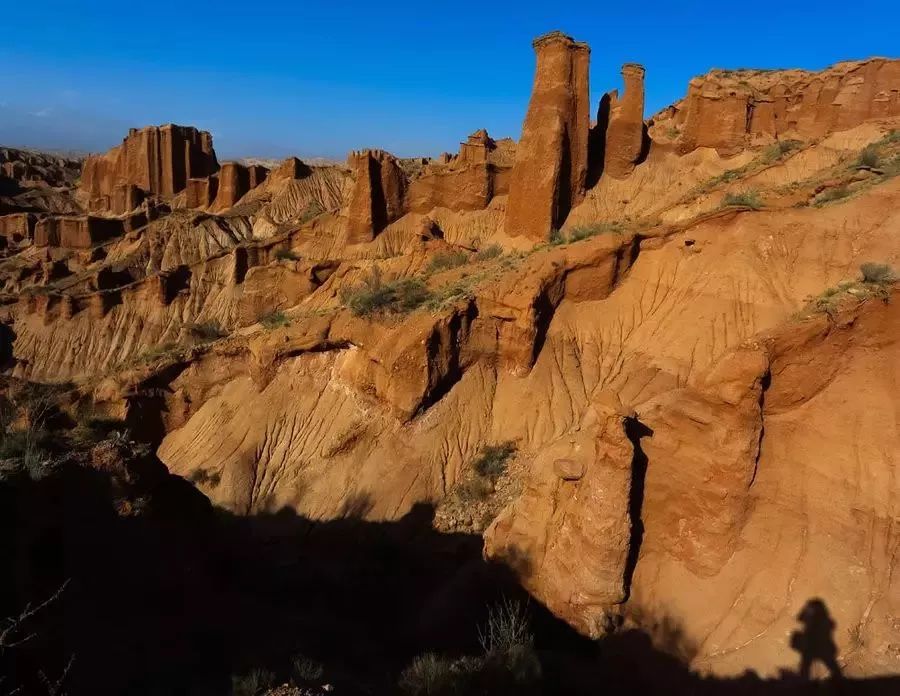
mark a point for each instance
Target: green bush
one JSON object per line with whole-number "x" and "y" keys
{"x": 492, "y": 459}
{"x": 491, "y": 252}
{"x": 749, "y": 199}
{"x": 556, "y": 238}
{"x": 376, "y": 296}
{"x": 274, "y": 320}
{"x": 868, "y": 157}
{"x": 445, "y": 260}
{"x": 877, "y": 273}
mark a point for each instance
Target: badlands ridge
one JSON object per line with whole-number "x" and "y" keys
{"x": 681, "y": 332}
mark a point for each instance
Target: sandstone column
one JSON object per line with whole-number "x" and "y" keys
{"x": 625, "y": 133}
{"x": 552, "y": 156}
{"x": 377, "y": 195}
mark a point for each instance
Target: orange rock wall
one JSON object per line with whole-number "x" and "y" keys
{"x": 723, "y": 112}
{"x": 377, "y": 195}
{"x": 158, "y": 160}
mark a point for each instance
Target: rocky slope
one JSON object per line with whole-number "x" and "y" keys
{"x": 686, "y": 327}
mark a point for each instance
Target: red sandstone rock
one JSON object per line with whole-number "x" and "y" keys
{"x": 466, "y": 182}
{"x": 726, "y": 109}
{"x": 377, "y": 195}
{"x": 157, "y": 160}
{"x": 76, "y": 232}
{"x": 625, "y": 133}
{"x": 200, "y": 193}
{"x": 552, "y": 156}
{"x": 17, "y": 226}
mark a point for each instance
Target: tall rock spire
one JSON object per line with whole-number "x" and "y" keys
{"x": 552, "y": 156}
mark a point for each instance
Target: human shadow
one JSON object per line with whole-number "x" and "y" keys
{"x": 815, "y": 642}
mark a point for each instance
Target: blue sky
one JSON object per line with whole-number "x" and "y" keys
{"x": 317, "y": 78}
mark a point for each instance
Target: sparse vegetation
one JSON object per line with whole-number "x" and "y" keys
{"x": 749, "y": 199}
{"x": 306, "y": 671}
{"x": 445, "y": 260}
{"x": 255, "y": 683}
{"x": 203, "y": 477}
{"x": 451, "y": 293}
{"x": 877, "y": 273}
{"x": 487, "y": 468}
{"x": 313, "y": 209}
{"x": 877, "y": 280}
{"x": 274, "y": 320}
{"x": 868, "y": 157}
{"x": 207, "y": 331}
{"x": 490, "y": 252}
{"x": 377, "y": 296}
{"x": 580, "y": 232}
{"x": 156, "y": 352}
{"x": 779, "y": 149}
{"x": 556, "y": 237}
{"x": 287, "y": 255}
{"x": 491, "y": 461}
{"x": 832, "y": 194}
{"x": 508, "y": 664}
{"x": 506, "y": 628}
{"x": 672, "y": 132}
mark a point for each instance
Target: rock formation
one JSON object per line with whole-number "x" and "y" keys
{"x": 234, "y": 181}
{"x": 157, "y": 160}
{"x": 625, "y": 132}
{"x": 552, "y": 156}
{"x": 698, "y": 377}
{"x": 377, "y": 194}
{"x": 468, "y": 181}
{"x": 728, "y": 109}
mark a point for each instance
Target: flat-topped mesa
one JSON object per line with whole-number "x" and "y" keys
{"x": 729, "y": 109}
{"x": 377, "y": 194}
{"x": 625, "y": 132}
{"x": 156, "y": 160}
{"x": 552, "y": 156}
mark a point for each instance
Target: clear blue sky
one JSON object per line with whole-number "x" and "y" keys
{"x": 317, "y": 78}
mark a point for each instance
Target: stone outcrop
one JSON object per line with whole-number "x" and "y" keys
{"x": 234, "y": 181}
{"x": 467, "y": 181}
{"x": 625, "y": 132}
{"x": 201, "y": 193}
{"x": 578, "y": 491}
{"x": 157, "y": 160}
{"x": 377, "y": 194}
{"x": 552, "y": 156}
{"x": 81, "y": 232}
{"x": 728, "y": 110}
{"x": 17, "y": 226}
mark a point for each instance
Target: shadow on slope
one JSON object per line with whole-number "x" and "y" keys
{"x": 165, "y": 594}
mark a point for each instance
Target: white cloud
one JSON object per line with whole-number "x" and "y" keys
{"x": 43, "y": 113}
